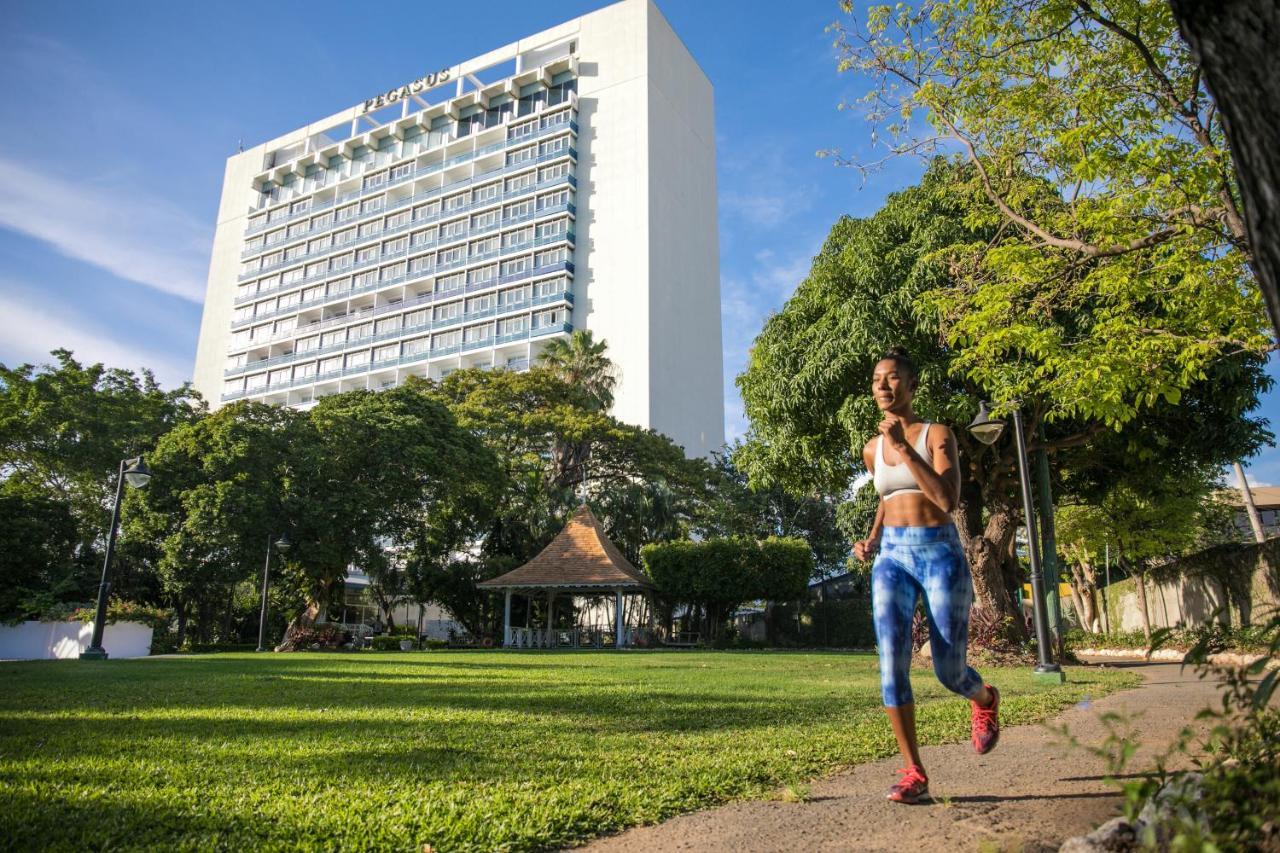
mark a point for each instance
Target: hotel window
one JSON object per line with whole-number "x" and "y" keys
{"x": 445, "y": 340}
{"x": 369, "y": 229}
{"x": 240, "y": 339}
{"x": 522, "y": 155}
{"x": 399, "y": 244}
{"x": 387, "y": 353}
{"x": 391, "y": 324}
{"x": 329, "y": 339}
{"x": 368, "y": 253}
{"x": 426, "y": 211}
{"x": 298, "y": 229}
{"x": 305, "y": 371}
{"x": 483, "y": 275}
{"x": 519, "y": 131}
{"x": 308, "y": 344}
{"x": 317, "y": 268}
{"x": 329, "y": 365}
{"x": 513, "y": 325}
{"x": 487, "y": 246}
{"x": 553, "y": 146}
{"x": 479, "y": 303}
{"x": 554, "y": 199}
{"x": 319, "y": 245}
{"x": 512, "y": 296}
{"x": 366, "y": 279}
{"x": 277, "y": 214}
{"x": 372, "y": 205}
{"x": 394, "y": 271}
{"x": 555, "y": 119}
{"x": 294, "y": 252}
{"x": 258, "y": 380}
{"x": 252, "y": 243}
{"x": 559, "y": 93}
{"x": 417, "y": 346}
{"x": 450, "y": 283}
{"x": 552, "y": 256}
{"x": 313, "y": 294}
{"x": 249, "y": 267}
{"x": 300, "y": 206}
{"x": 273, "y": 259}
{"x": 343, "y": 237}
{"x": 360, "y": 332}
{"x": 242, "y": 314}
{"x": 414, "y": 319}
{"x": 357, "y": 359}
{"x": 244, "y": 291}
{"x": 398, "y": 219}
{"x": 289, "y": 300}
{"x": 515, "y": 266}
{"x": 341, "y": 262}
{"x": 456, "y": 228}
{"x": 519, "y": 237}
{"x": 518, "y": 210}
{"x": 275, "y": 237}
{"x": 320, "y": 222}
{"x": 543, "y": 319}
{"x": 475, "y": 334}
{"x": 264, "y": 308}
{"x": 232, "y": 386}
{"x": 548, "y": 287}
{"x": 488, "y": 219}
{"x": 530, "y": 102}
{"x": 550, "y": 173}
{"x": 423, "y": 237}
{"x": 284, "y": 327}
{"x": 553, "y": 229}
{"x": 456, "y": 202}
{"x": 260, "y": 333}
{"x": 257, "y": 221}
{"x": 448, "y": 311}
{"x": 342, "y": 285}
{"x": 488, "y": 192}
{"x": 520, "y": 182}
{"x": 375, "y": 180}
{"x": 279, "y": 377}
{"x": 421, "y": 264}
{"x": 450, "y": 256}
{"x": 404, "y": 170}
{"x": 349, "y": 212}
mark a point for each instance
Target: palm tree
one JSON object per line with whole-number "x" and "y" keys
{"x": 580, "y": 361}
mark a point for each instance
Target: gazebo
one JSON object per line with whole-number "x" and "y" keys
{"x": 580, "y": 561}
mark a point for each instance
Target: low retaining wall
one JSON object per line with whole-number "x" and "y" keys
{"x": 66, "y": 640}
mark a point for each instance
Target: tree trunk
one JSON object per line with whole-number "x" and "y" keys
{"x": 985, "y": 548}
{"x": 1084, "y": 589}
{"x": 1235, "y": 43}
{"x": 226, "y": 620}
{"x": 181, "y": 607}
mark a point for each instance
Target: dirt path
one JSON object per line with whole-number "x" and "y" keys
{"x": 1026, "y": 795}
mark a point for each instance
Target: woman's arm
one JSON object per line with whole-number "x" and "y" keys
{"x": 940, "y": 481}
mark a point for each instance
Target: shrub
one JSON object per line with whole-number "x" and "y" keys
{"x": 126, "y": 611}
{"x": 385, "y": 643}
{"x": 432, "y": 643}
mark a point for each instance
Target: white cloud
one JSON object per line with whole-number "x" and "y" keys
{"x": 126, "y": 232}
{"x": 765, "y": 209}
{"x": 29, "y": 333}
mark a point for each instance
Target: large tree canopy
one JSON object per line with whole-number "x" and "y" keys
{"x": 887, "y": 280}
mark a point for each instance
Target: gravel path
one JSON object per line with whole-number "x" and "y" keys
{"x": 1029, "y": 794}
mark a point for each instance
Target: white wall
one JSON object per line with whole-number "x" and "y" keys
{"x": 66, "y": 640}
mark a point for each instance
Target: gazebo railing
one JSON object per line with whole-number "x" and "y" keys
{"x": 566, "y": 638}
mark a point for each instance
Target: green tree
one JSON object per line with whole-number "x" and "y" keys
{"x": 581, "y": 363}
{"x": 65, "y": 427}
{"x": 889, "y": 280}
{"x": 1088, "y": 129}
{"x": 38, "y": 565}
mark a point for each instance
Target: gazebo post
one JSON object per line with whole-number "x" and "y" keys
{"x": 551, "y": 619}
{"x": 506, "y": 620}
{"x": 617, "y": 618}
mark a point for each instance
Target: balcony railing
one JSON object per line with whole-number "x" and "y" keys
{"x": 564, "y": 296}
{"x": 415, "y": 358}
{"x": 353, "y": 169}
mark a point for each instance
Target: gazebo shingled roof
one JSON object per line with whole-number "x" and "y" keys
{"x": 581, "y": 556}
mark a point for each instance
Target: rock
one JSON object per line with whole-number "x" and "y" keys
{"x": 1115, "y": 836}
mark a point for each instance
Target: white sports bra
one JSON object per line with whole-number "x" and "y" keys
{"x": 894, "y": 480}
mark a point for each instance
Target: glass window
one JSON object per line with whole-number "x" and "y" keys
{"x": 520, "y": 182}
{"x": 487, "y": 246}
{"x": 399, "y": 244}
{"x": 456, "y": 228}
{"x": 448, "y": 311}
{"x": 450, "y": 283}
{"x": 518, "y": 210}
{"x": 488, "y": 219}
{"x": 483, "y": 275}
{"x": 370, "y": 228}
{"x": 521, "y": 155}
{"x": 397, "y": 220}
{"x": 372, "y": 205}
{"x": 552, "y": 256}
{"x": 551, "y": 173}
{"x": 518, "y": 237}
{"x": 488, "y": 192}
{"x": 424, "y": 237}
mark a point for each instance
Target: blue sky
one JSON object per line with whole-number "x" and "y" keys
{"x": 117, "y": 120}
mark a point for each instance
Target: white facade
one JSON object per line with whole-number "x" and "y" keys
{"x": 563, "y": 181}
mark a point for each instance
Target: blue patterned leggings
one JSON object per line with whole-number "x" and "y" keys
{"x": 926, "y": 561}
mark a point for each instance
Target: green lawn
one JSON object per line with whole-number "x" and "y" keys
{"x": 459, "y": 750}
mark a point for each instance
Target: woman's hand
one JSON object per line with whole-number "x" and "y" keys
{"x": 865, "y": 549}
{"x": 893, "y": 431}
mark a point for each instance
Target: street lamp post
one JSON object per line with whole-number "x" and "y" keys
{"x": 987, "y": 430}
{"x": 282, "y": 545}
{"x": 137, "y": 475}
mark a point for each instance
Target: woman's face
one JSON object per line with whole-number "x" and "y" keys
{"x": 892, "y": 386}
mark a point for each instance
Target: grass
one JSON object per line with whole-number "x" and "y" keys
{"x": 456, "y": 750}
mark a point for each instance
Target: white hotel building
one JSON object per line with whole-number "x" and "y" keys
{"x": 564, "y": 181}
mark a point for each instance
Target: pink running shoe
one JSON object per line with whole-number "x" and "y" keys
{"x": 985, "y": 724}
{"x": 912, "y": 787}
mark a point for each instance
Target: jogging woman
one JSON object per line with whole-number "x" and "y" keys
{"x": 917, "y": 554}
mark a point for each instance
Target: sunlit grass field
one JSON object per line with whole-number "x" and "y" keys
{"x": 457, "y": 750}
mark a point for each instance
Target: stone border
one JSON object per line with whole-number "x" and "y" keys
{"x": 1175, "y": 656}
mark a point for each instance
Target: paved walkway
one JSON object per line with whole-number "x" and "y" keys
{"x": 1029, "y": 794}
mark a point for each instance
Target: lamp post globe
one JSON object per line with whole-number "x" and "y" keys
{"x": 136, "y": 473}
